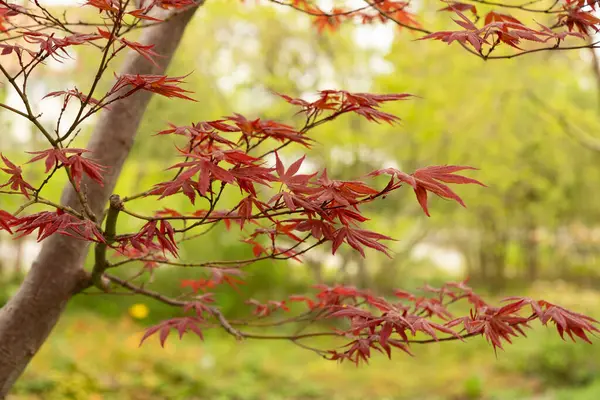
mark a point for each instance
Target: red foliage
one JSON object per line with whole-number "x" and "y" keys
{"x": 74, "y": 163}
{"x": 16, "y": 181}
{"x": 460, "y": 7}
{"x": 143, "y": 240}
{"x": 48, "y": 223}
{"x": 74, "y": 93}
{"x": 7, "y": 10}
{"x": 582, "y": 21}
{"x": 6, "y": 220}
{"x": 281, "y": 213}
{"x": 181, "y": 325}
{"x": 161, "y": 85}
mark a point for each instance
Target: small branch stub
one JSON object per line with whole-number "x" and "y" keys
{"x": 101, "y": 263}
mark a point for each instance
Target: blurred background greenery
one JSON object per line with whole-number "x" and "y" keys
{"x": 533, "y": 231}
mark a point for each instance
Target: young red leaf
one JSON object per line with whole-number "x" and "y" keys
{"x": 6, "y": 219}
{"x": 16, "y": 181}
{"x": 182, "y": 325}
{"x": 429, "y": 179}
{"x": 456, "y": 6}
{"x": 159, "y": 84}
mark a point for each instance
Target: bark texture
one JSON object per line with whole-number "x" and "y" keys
{"x": 58, "y": 273}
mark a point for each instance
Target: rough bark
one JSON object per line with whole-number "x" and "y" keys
{"x": 58, "y": 273}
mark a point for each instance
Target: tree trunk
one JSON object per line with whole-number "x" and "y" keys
{"x": 58, "y": 274}
{"x": 2, "y": 271}
{"x": 18, "y": 270}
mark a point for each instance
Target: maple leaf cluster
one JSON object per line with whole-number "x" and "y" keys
{"x": 48, "y": 223}
{"x": 377, "y": 11}
{"x": 144, "y": 240}
{"x": 325, "y": 208}
{"x": 71, "y": 159}
{"x": 489, "y": 32}
{"x": 573, "y": 18}
{"x": 219, "y": 276}
{"x": 74, "y": 163}
{"x": 373, "y": 323}
{"x": 503, "y": 28}
{"x": 161, "y": 85}
{"x": 16, "y": 181}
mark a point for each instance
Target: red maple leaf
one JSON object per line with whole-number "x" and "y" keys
{"x": 16, "y": 181}
{"x": 144, "y": 50}
{"x": 357, "y": 238}
{"x": 244, "y": 208}
{"x": 48, "y": 223}
{"x": 327, "y": 21}
{"x": 6, "y": 219}
{"x": 299, "y": 298}
{"x": 429, "y": 179}
{"x": 582, "y": 3}
{"x": 142, "y": 13}
{"x": 163, "y": 233}
{"x": 228, "y": 276}
{"x": 245, "y": 177}
{"x": 79, "y": 165}
{"x": 493, "y": 16}
{"x": 496, "y": 324}
{"x": 75, "y": 163}
{"x": 198, "y": 284}
{"x": 75, "y": 93}
{"x": 296, "y": 183}
{"x": 336, "y": 192}
{"x": 397, "y": 11}
{"x": 175, "y": 4}
{"x": 6, "y": 12}
{"x": 566, "y": 321}
{"x": 456, "y": 6}
{"x": 579, "y": 20}
{"x": 54, "y": 157}
{"x": 182, "y": 325}
{"x": 159, "y": 84}
{"x": 402, "y": 176}
{"x": 318, "y": 228}
{"x": 104, "y": 5}
{"x": 471, "y": 34}
{"x": 264, "y": 310}
{"x": 55, "y": 46}
{"x": 6, "y": 49}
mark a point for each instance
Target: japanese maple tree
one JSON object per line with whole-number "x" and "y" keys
{"x": 283, "y": 212}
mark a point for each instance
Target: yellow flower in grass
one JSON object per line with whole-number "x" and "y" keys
{"x": 139, "y": 311}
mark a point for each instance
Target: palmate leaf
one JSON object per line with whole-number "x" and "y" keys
{"x": 429, "y": 179}
{"x": 16, "y": 181}
{"x": 48, "y": 223}
{"x": 73, "y": 160}
{"x": 159, "y": 84}
{"x": 182, "y": 325}
{"x": 6, "y": 219}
